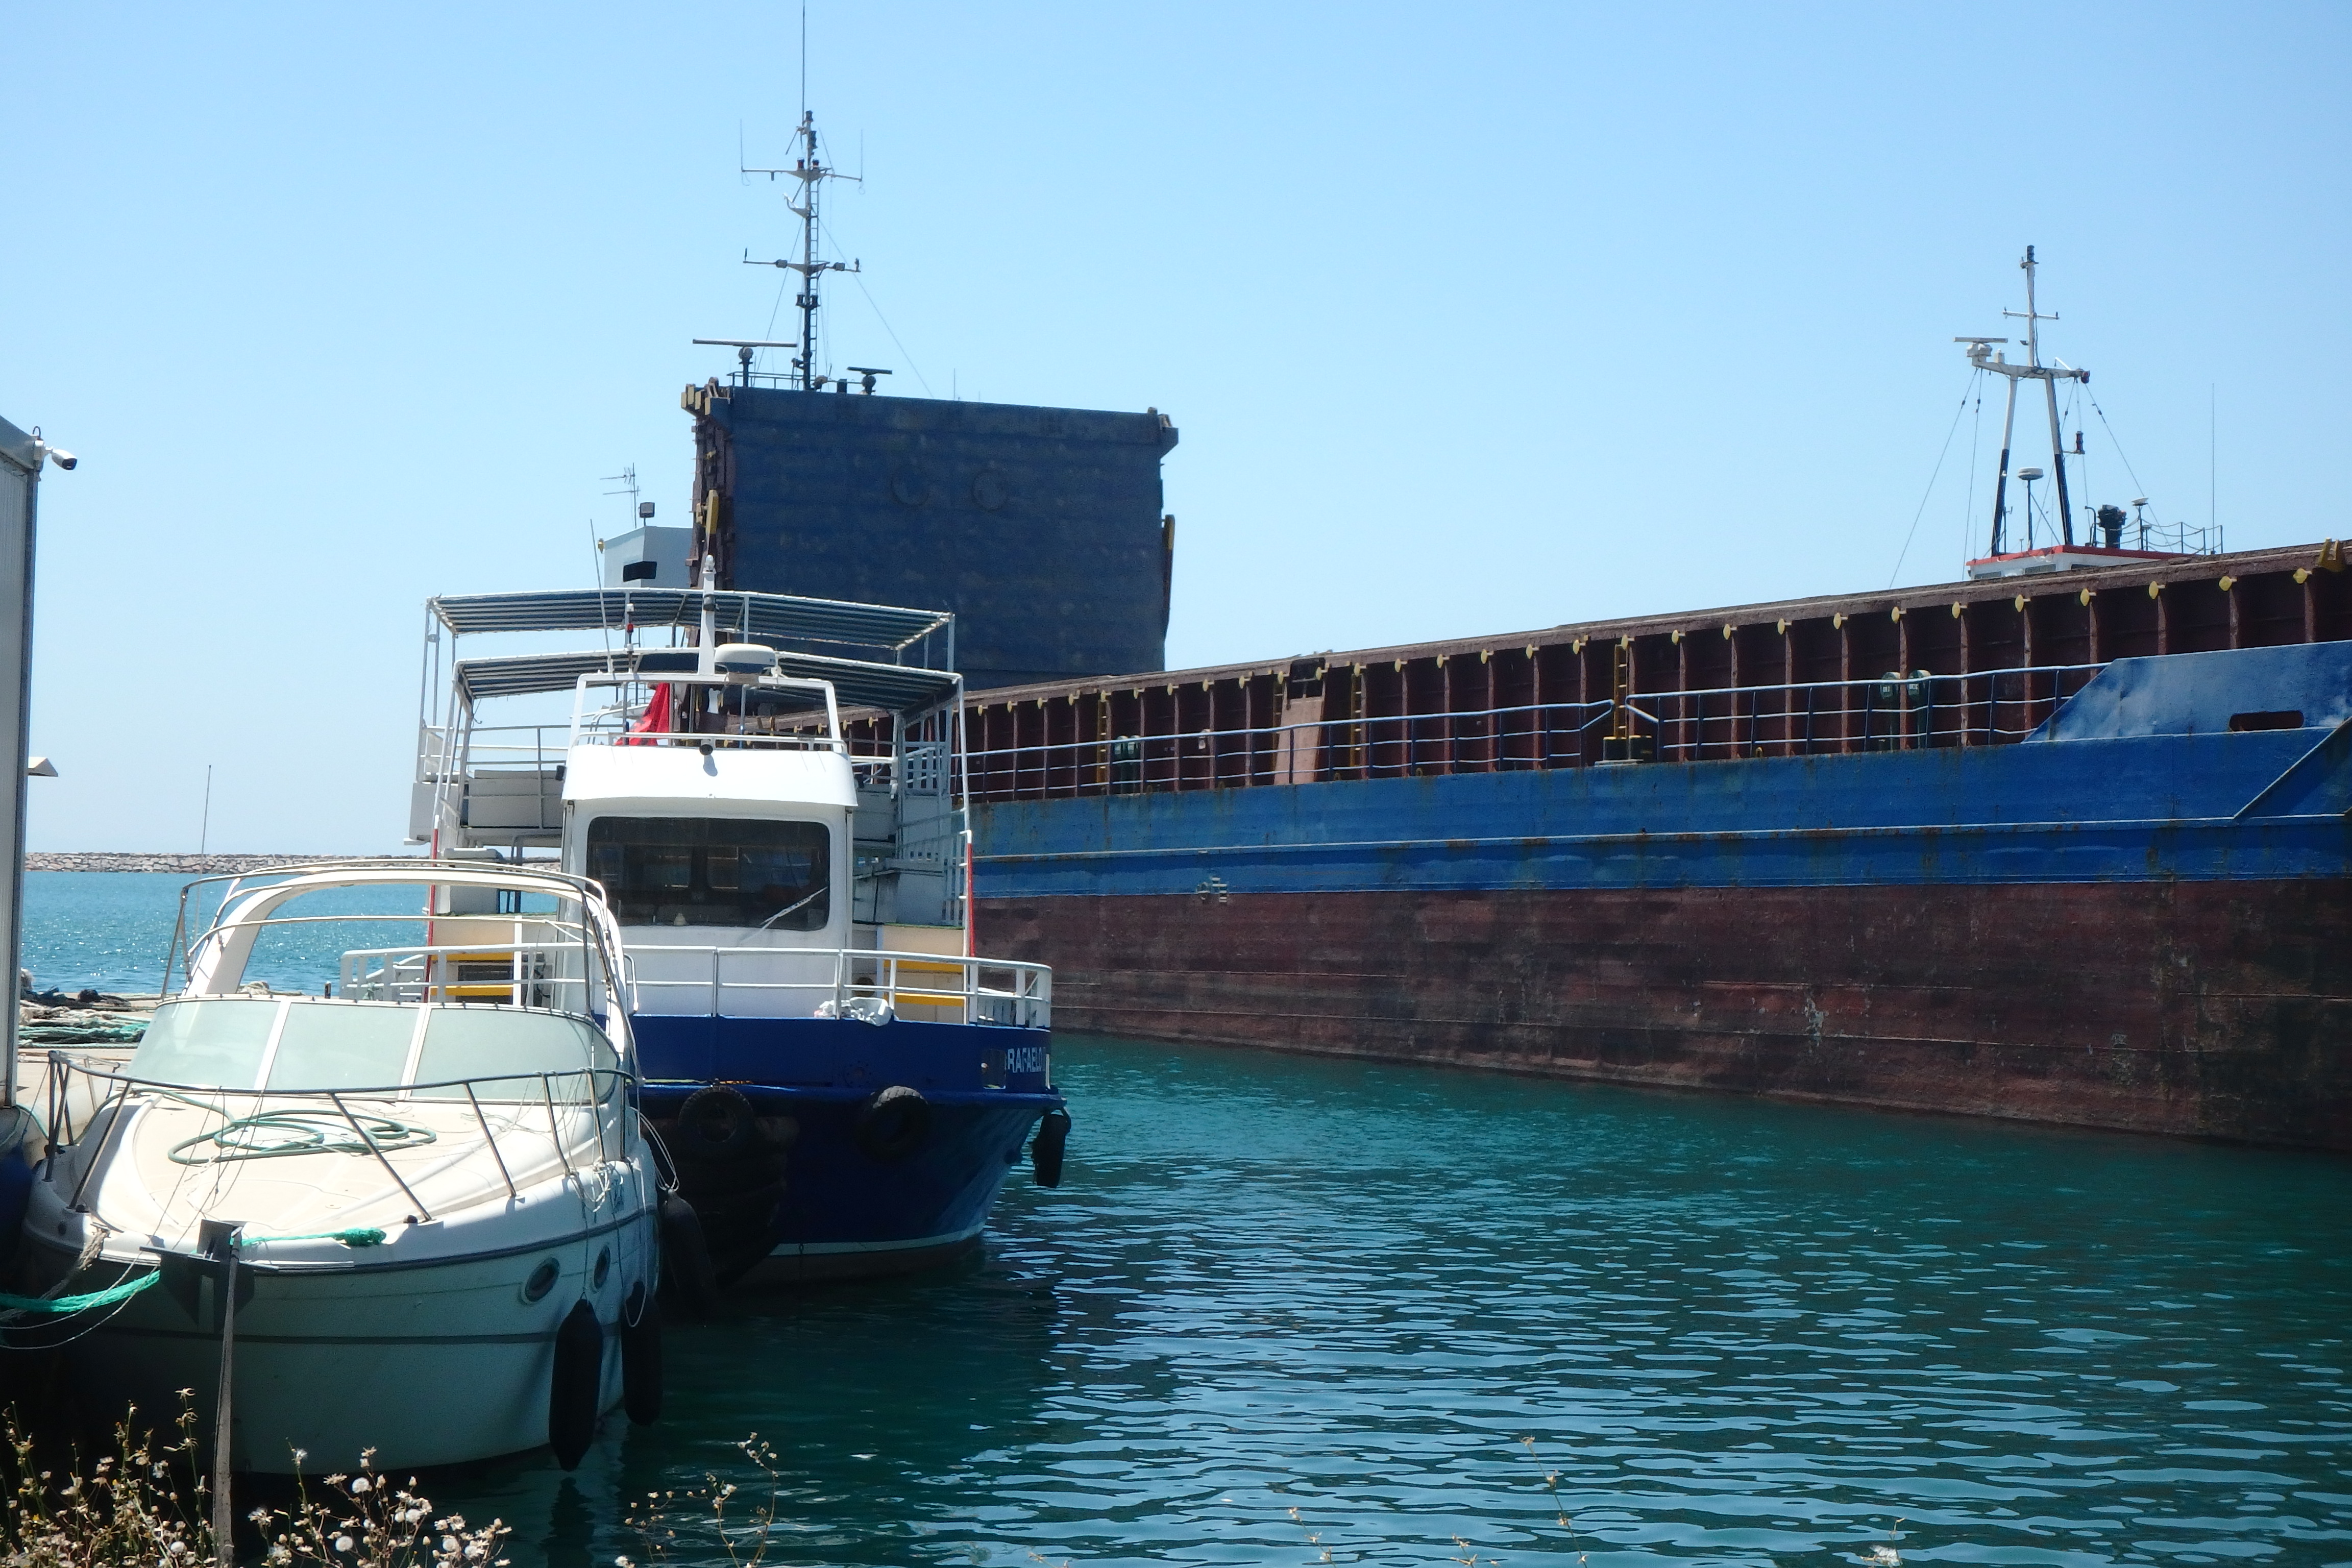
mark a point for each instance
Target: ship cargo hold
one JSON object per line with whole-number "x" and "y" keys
{"x": 2069, "y": 848}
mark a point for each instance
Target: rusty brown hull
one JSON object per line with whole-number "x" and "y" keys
{"x": 2217, "y": 1009}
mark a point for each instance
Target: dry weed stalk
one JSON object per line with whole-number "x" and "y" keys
{"x": 746, "y": 1543}
{"x": 150, "y": 1506}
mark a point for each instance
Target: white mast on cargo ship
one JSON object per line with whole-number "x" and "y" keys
{"x": 811, "y": 172}
{"x": 1985, "y": 357}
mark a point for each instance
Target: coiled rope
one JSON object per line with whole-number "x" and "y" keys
{"x": 273, "y": 1134}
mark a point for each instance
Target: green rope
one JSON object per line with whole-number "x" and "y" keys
{"x": 58, "y": 1306}
{"x": 62, "y": 1304}
{"x": 301, "y": 1132}
{"x": 359, "y": 1236}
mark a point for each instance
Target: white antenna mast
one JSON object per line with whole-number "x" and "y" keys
{"x": 810, "y": 170}
{"x": 1980, "y": 352}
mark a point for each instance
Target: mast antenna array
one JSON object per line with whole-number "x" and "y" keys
{"x": 811, "y": 172}
{"x": 1982, "y": 354}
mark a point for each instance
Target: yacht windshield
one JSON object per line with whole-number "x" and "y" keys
{"x": 309, "y": 1045}
{"x": 713, "y": 871}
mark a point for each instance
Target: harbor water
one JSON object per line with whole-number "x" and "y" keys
{"x": 1286, "y": 1310}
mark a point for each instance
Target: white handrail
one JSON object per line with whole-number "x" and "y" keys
{"x": 1023, "y": 996}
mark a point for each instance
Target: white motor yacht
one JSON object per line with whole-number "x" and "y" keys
{"x": 426, "y": 1176}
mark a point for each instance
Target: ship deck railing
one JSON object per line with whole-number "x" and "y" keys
{"x": 1895, "y": 712}
{"x": 761, "y": 982}
{"x": 515, "y": 973}
{"x": 539, "y": 749}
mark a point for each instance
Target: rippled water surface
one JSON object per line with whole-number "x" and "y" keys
{"x": 1557, "y": 1323}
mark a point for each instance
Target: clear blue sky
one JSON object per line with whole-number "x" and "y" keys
{"x": 1472, "y": 318}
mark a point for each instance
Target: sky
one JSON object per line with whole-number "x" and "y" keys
{"x": 1472, "y": 318}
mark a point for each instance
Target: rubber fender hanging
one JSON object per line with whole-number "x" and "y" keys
{"x": 641, "y": 1356}
{"x": 573, "y": 1393}
{"x": 686, "y": 1259}
{"x": 894, "y": 1124}
{"x": 1045, "y": 1149}
{"x": 715, "y": 1123}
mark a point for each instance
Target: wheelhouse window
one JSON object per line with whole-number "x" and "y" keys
{"x": 714, "y": 871}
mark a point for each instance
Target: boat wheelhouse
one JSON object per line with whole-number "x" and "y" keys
{"x": 841, "y": 1079}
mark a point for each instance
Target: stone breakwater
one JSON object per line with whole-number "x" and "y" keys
{"x": 179, "y": 864}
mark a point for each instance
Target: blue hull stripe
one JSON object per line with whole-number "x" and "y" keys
{"x": 2142, "y": 810}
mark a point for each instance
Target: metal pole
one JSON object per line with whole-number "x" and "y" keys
{"x": 2000, "y": 485}
{"x": 2058, "y": 462}
{"x": 20, "y": 484}
{"x": 223, "y": 1248}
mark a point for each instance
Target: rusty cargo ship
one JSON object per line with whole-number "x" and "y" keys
{"x": 2083, "y": 861}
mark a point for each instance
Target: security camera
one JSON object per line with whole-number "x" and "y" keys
{"x": 63, "y": 460}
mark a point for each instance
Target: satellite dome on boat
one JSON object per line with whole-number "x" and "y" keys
{"x": 743, "y": 658}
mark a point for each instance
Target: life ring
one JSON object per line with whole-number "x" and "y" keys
{"x": 894, "y": 1124}
{"x": 641, "y": 1356}
{"x": 1045, "y": 1149}
{"x": 573, "y": 1390}
{"x": 715, "y": 1123}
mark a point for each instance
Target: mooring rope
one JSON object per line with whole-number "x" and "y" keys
{"x": 60, "y": 1306}
{"x": 56, "y": 1306}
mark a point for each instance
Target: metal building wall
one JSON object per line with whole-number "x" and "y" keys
{"x": 1042, "y": 529}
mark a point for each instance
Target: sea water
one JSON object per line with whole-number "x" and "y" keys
{"x": 1285, "y": 1311}
{"x": 109, "y": 930}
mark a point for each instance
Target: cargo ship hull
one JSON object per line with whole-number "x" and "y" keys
{"x": 2134, "y": 914}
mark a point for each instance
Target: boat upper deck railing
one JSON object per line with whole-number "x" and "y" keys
{"x": 847, "y": 982}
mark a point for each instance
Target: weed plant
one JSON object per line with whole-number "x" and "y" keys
{"x": 151, "y": 1505}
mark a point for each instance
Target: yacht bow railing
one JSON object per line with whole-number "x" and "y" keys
{"x": 579, "y": 1105}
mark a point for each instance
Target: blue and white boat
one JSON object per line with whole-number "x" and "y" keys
{"x": 842, "y": 1081}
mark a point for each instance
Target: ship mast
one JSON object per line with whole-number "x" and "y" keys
{"x": 811, "y": 172}
{"x": 1981, "y": 353}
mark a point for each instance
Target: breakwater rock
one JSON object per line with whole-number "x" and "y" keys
{"x": 181, "y": 865}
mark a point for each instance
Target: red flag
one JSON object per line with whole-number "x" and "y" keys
{"x": 655, "y": 719}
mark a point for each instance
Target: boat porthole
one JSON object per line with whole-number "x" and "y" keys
{"x": 603, "y": 1267}
{"x": 542, "y": 1281}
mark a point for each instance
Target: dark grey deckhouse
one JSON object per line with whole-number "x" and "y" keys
{"x": 1042, "y": 529}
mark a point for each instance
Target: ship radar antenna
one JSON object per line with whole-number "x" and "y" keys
{"x": 809, "y": 171}
{"x": 1981, "y": 354}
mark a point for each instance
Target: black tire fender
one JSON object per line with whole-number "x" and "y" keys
{"x": 641, "y": 1356}
{"x": 1045, "y": 1150}
{"x": 574, "y": 1391}
{"x": 894, "y": 1124}
{"x": 686, "y": 1259}
{"x": 715, "y": 1123}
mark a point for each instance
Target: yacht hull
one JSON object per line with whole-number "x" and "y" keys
{"x": 435, "y": 1362}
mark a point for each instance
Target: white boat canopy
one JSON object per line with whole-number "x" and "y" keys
{"x": 753, "y": 617}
